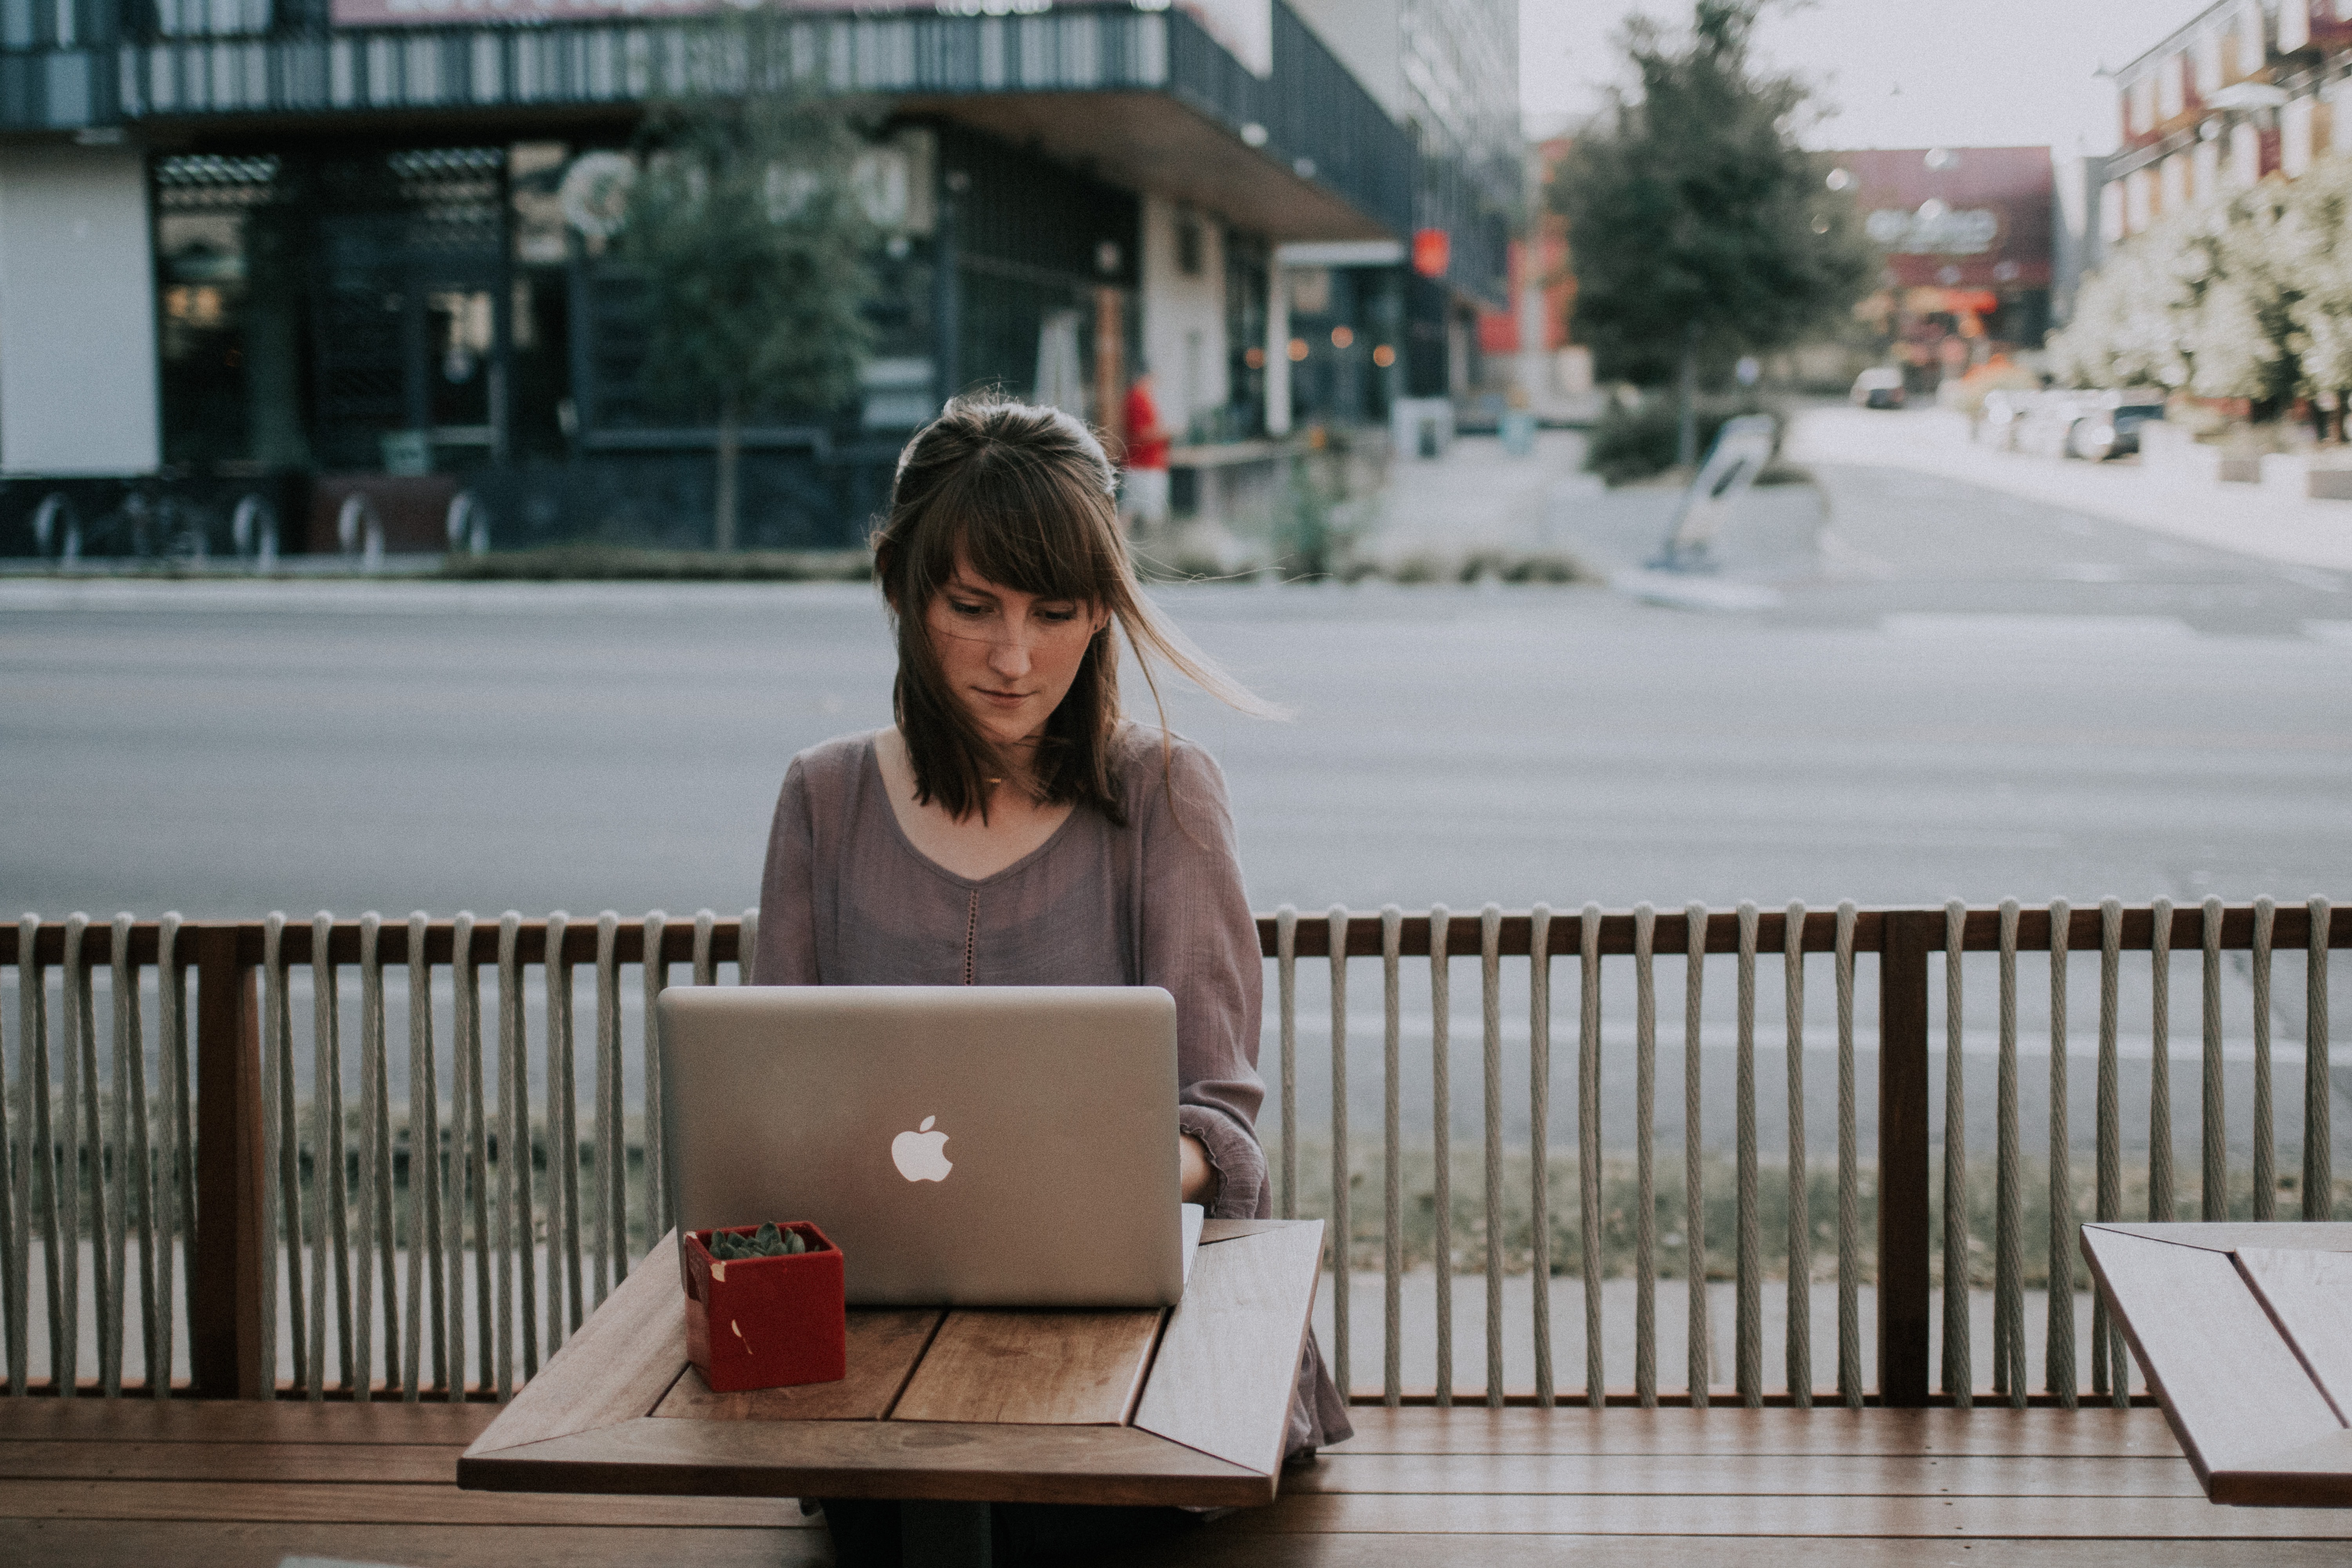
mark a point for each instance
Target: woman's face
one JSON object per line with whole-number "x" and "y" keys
{"x": 1008, "y": 657}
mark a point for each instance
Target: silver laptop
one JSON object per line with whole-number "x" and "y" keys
{"x": 967, "y": 1145}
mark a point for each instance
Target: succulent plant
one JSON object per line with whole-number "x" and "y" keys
{"x": 768, "y": 1241}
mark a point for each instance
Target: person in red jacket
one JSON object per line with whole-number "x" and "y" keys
{"x": 1143, "y": 494}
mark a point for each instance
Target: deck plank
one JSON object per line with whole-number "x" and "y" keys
{"x": 145, "y": 1543}
{"x": 242, "y": 1421}
{"x": 1989, "y": 1432}
{"x": 1744, "y": 1475}
{"x": 370, "y": 1503}
{"x": 1944, "y": 1519}
{"x": 1222, "y": 1546}
{"x": 399, "y": 1463}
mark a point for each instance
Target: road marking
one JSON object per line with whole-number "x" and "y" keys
{"x": 1685, "y": 591}
{"x": 1994, "y": 627}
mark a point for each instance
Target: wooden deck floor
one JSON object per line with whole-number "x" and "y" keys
{"x": 137, "y": 1484}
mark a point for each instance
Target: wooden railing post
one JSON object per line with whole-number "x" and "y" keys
{"x": 224, "y": 1298}
{"x": 1904, "y": 1243}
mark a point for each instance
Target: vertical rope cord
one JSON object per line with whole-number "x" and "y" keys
{"x": 612, "y": 1188}
{"x": 1748, "y": 1338}
{"x": 706, "y": 931}
{"x": 1849, "y": 1387}
{"x": 128, "y": 1174}
{"x": 1588, "y": 1147}
{"x": 1285, "y": 973}
{"x": 1645, "y": 1199}
{"x": 1799, "y": 1347}
{"x": 386, "y": 1237}
{"x": 468, "y": 1164}
{"x": 2058, "y": 1353}
{"x": 1490, "y": 979}
{"x": 374, "y": 1130}
{"x": 424, "y": 1184}
{"x": 1343, "y": 1236}
{"x": 15, "y": 1258}
{"x": 1441, "y": 1101}
{"x": 176, "y": 1178}
{"x": 1958, "y": 1369}
{"x": 2265, "y": 1171}
{"x": 2008, "y": 1248}
{"x": 31, "y": 1130}
{"x": 563, "y": 1274}
{"x": 517, "y": 1252}
{"x": 747, "y": 944}
{"x": 654, "y": 977}
{"x": 1540, "y": 1143}
{"x": 82, "y": 1149}
{"x": 2214, "y": 1190}
{"x": 329, "y": 1262}
{"x": 1698, "y": 1342}
{"x": 2110, "y": 1368}
{"x": 2318, "y": 1139}
{"x": 282, "y": 1203}
{"x": 1392, "y": 1162}
{"x": 42, "y": 1197}
{"x": 2159, "y": 1063}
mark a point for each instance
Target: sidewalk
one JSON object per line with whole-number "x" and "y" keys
{"x": 2239, "y": 518}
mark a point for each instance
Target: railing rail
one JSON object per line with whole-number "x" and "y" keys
{"x": 411, "y": 1213}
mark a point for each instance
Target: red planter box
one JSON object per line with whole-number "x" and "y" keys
{"x": 765, "y": 1322}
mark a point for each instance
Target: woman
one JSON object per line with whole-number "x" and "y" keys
{"x": 1014, "y": 828}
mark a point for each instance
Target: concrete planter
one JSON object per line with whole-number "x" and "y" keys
{"x": 2286, "y": 473}
{"x": 2329, "y": 484}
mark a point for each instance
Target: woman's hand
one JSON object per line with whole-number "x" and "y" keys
{"x": 1200, "y": 1181}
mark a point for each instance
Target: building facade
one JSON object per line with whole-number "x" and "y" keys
{"x": 2245, "y": 89}
{"x": 260, "y": 257}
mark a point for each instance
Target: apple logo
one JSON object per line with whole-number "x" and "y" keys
{"x": 921, "y": 1155}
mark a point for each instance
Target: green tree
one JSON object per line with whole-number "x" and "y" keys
{"x": 1698, "y": 229}
{"x": 745, "y": 227}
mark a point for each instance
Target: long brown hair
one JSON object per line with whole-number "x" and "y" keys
{"x": 1027, "y": 499}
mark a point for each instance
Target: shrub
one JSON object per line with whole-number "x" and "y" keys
{"x": 1638, "y": 442}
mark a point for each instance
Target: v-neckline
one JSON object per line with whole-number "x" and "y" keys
{"x": 890, "y": 808}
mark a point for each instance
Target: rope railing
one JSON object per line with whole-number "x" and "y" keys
{"x": 249, "y": 1197}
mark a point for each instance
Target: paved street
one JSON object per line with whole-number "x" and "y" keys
{"x": 1962, "y": 692}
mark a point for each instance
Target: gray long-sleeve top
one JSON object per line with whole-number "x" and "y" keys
{"x": 846, "y": 900}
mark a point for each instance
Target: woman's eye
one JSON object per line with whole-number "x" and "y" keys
{"x": 1058, "y": 617}
{"x": 968, "y": 610}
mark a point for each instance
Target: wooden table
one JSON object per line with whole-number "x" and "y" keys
{"x": 2244, "y": 1331}
{"x": 1184, "y": 1406}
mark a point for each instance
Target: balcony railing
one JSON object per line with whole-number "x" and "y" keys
{"x": 1310, "y": 115}
{"x": 305, "y": 1213}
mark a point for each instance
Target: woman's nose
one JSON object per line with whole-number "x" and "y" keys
{"x": 1009, "y": 655}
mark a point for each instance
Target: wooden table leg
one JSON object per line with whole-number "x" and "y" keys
{"x": 945, "y": 1534}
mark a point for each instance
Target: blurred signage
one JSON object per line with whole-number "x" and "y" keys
{"x": 1956, "y": 217}
{"x": 1432, "y": 251}
{"x": 1934, "y": 229}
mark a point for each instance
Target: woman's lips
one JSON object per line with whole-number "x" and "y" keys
{"x": 1002, "y": 699}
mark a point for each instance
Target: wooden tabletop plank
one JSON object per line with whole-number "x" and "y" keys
{"x": 1229, "y": 1359}
{"x": 366, "y": 1504}
{"x": 1988, "y": 1430}
{"x": 2042, "y": 1519}
{"x": 241, "y": 1421}
{"x": 944, "y": 1461}
{"x": 1072, "y": 1369}
{"x": 884, "y": 1344}
{"x": 2318, "y": 1236}
{"x": 2309, "y": 1296}
{"x": 615, "y": 1368}
{"x": 2230, "y": 1384}
{"x": 1742, "y": 1475}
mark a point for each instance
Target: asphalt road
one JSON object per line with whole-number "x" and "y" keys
{"x": 1960, "y": 694}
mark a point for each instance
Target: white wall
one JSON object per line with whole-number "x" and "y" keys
{"x": 78, "y": 377}
{"x": 1184, "y": 315}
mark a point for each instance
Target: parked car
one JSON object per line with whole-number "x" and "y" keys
{"x": 1880, "y": 387}
{"x": 2092, "y": 425}
{"x": 2108, "y": 423}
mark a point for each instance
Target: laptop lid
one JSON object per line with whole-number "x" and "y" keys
{"x": 1009, "y": 1146}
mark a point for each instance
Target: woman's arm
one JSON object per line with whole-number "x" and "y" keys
{"x": 787, "y": 952}
{"x": 1200, "y": 943}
